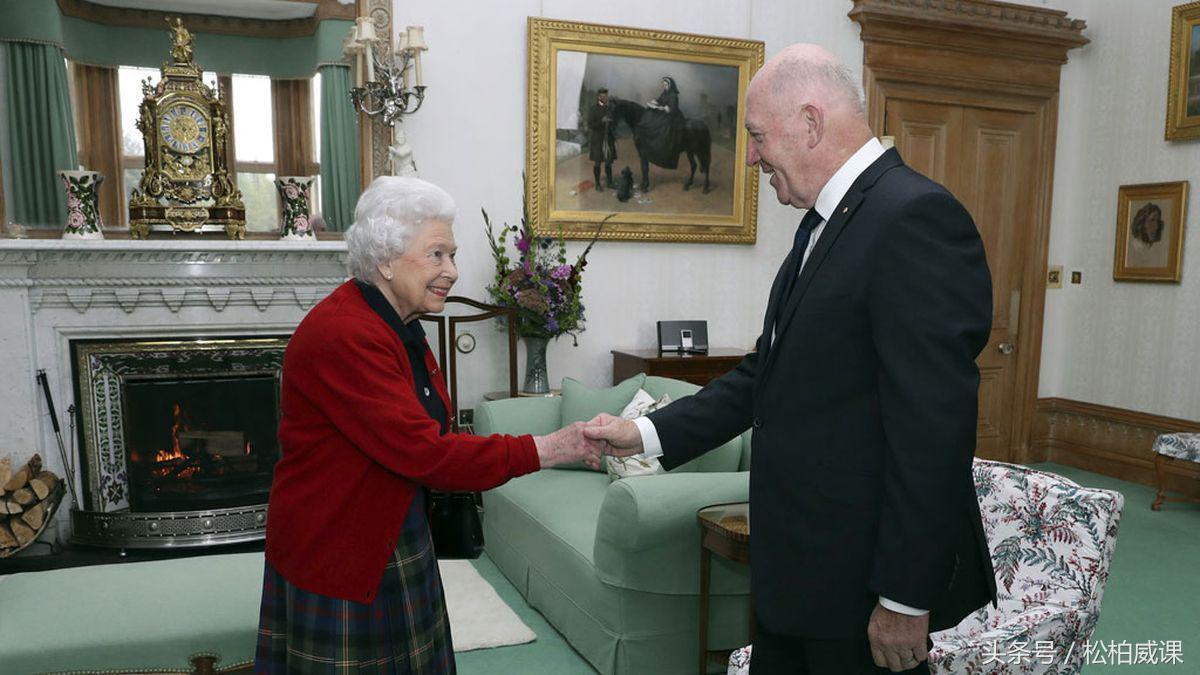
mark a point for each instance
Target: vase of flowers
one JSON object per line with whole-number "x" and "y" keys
{"x": 293, "y": 192}
{"x": 83, "y": 205}
{"x": 542, "y": 286}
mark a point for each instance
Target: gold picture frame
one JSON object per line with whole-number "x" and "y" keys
{"x": 564, "y": 191}
{"x": 1151, "y": 218}
{"x": 1183, "y": 86}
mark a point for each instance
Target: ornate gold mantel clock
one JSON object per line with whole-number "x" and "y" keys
{"x": 186, "y": 186}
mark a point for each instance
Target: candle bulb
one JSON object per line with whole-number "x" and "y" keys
{"x": 370, "y": 63}
{"x": 418, "y": 67}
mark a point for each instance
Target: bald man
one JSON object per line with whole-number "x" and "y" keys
{"x": 862, "y": 393}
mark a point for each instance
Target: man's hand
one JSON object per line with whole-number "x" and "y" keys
{"x": 898, "y": 641}
{"x": 620, "y": 436}
{"x": 569, "y": 445}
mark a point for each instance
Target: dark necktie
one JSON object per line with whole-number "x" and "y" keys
{"x": 808, "y": 223}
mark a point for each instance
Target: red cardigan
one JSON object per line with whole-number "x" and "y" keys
{"x": 355, "y": 445}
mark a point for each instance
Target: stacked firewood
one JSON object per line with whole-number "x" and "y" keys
{"x": 28, "y": 498}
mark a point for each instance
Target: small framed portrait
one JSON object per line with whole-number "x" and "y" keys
{"x": 643, "y": 124}
{"x": 1183, "y": 87}
{"x": 1150, "y": 228}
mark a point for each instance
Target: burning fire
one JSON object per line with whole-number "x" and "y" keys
{"x": 174, "y": 452}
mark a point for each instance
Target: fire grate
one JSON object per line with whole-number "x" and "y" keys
{"x": 178, "y": 439}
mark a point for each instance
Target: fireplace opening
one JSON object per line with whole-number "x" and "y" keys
{"x": 195, "y": 443}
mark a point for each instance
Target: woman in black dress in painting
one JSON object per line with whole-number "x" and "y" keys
{"x": 665, "y": 129}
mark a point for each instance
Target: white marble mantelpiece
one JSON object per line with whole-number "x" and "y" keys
{"x": 54, "y": 291}
{"x": 170, "y": 273}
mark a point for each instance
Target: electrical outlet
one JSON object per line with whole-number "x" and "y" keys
{"x": 1054, "y": 277}
{"x": 1077, "y": 277}
{"x": 466, "y": 417}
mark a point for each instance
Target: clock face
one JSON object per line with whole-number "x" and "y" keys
{"x": 184, "y": 129}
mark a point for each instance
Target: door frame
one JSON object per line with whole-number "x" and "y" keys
{"x": 984, "y": 54}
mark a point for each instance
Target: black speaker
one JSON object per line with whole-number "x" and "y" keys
{"x": 683, "y": 336}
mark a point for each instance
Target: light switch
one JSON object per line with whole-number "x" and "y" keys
{"x": 1076, "y": 277}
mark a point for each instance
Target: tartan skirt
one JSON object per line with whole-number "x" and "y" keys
{"x": 405, "y": 631}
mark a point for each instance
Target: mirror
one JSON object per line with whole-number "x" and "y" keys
{"x": 279, "y": 68}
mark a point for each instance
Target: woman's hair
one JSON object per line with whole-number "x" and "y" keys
{"x": 670, "y": 84}
{"x": 388, "y": 215}
{"x": 1142, "y": 223}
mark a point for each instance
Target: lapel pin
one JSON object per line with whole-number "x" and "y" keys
{"x": 845, "y": 209}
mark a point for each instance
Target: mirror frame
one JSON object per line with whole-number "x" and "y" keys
{"x": 373, "y": 137}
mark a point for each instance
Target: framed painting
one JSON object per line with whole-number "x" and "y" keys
{"x": 642, "y": 125}
{"x": 1183, "y": 86}
{"x": 1150, "y": 226}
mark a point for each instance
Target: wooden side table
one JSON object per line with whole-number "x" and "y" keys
{"x": 724, "y": 530}
{"x": 695, "y": 368}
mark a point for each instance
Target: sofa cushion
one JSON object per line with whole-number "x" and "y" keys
{"x": 581, "y": 403}
{"x": 725, "y": 457}
{"x": 639, "y": 464}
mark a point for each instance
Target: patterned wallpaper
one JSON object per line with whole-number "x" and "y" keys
{"x": 1124, "y": 344}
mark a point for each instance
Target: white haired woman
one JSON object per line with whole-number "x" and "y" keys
{"x": 351, "y": 580}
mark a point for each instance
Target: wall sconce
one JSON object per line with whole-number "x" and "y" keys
{"x": 389, "y": 91}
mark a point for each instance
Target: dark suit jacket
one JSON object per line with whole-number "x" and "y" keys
{"x": 864, "y": 412}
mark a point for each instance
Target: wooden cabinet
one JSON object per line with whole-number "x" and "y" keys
{"x": 695, "y": 368}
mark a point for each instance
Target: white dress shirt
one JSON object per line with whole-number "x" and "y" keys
{"x": 827, "y": 200}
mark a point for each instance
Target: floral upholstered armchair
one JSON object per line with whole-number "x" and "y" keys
{"x": 1051, "y": 542}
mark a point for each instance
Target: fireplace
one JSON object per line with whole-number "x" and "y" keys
{"x": 178, "y": 439}
{"x": 200, "y": 443}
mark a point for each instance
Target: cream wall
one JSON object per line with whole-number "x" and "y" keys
{"x": 1129, "y": 345}
{"x": 470, "y": 138}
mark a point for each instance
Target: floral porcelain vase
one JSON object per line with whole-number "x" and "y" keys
{"x": 293, "y": 190}
{"x": 83, "y": 205}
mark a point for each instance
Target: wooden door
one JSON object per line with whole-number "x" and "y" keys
{"x": 989, "y": 159}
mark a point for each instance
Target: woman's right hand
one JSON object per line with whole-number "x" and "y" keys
{"x": 569, "y": 445}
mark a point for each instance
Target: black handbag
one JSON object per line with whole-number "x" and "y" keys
{"x": 455, "y": 524}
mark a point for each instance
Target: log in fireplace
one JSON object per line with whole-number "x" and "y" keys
{"x": 178, "y": 439}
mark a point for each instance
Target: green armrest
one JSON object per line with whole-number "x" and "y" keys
{"x": 516, "y": 416}
{"x": 648, "y": 538}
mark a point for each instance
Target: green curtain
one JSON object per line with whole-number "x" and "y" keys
{"x": 41, "y": 132}
{"x": 339, "y": 149}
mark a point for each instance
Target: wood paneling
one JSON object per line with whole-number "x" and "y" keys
{"x": 1112, "y": 441}
{"x": 970, "y": 91}
{"x": 98, "y": 126}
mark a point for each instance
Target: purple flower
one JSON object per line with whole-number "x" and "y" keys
{"x": 551, "y": 325}
{"x": 523, "y": 244}
{"x": 561, "y": 272}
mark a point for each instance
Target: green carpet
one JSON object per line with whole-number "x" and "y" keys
{"x": 1153, "y": 595}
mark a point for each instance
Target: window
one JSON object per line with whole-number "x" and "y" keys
{"x": 254, "y": 150}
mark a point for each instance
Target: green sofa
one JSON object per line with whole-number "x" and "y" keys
{"x": 614, "y": 566}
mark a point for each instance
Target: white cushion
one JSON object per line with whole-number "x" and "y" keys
{"x": 639, "y": 464}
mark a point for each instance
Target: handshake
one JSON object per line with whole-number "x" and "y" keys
{"x": 588, "y": 442}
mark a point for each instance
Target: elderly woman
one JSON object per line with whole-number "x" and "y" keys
{"x": 351, "y": 578}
